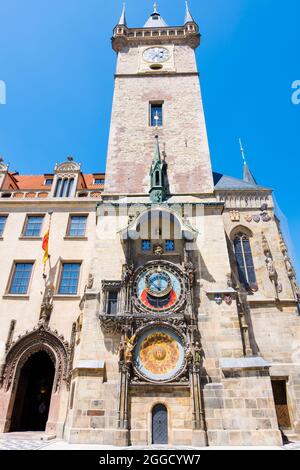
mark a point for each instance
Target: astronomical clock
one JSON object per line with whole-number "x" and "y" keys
{"x": 155, "y": 322}
{"x": 159, "y": 289}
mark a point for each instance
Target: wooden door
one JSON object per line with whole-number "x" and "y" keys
{"x": 281, "y": 405}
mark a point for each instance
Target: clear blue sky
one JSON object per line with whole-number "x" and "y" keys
{"x": 58, "y": 66}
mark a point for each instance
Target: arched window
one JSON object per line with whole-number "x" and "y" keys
{"x": 70, "y": 187}
{"x": 64, "y": 187}
{"x": 244, "y": 259}
{"x": 58, "y": 187}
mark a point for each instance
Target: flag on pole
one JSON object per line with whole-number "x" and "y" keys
{"x": 45, "y": 246}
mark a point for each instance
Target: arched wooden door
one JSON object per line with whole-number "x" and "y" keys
{"x": 159, "y": 425}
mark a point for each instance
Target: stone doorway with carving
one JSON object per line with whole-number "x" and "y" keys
{"x": 33, "y": 394}
{"x": 35, "y": 382}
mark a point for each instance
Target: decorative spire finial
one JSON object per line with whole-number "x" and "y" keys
{"x": 158, "y": 173}
{"x": 248, "y": 177}
{"x": 157, "y": 150}
{"x": 122, "y": 20}
{"x": 188, "y": 15}
{"x": 242, "y": 152}
{"x": 155, "y": 7}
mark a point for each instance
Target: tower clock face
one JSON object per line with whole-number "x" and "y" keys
{"x": 156, "y": 55}
{"x": 158, "y": 289}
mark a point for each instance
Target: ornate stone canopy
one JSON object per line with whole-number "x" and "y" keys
{"x": 183, "y": 228}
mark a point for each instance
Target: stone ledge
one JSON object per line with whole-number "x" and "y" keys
{"x": 244, "y": 363}
{"x": 90, "y": 368}
{"x": 90, "y": 364}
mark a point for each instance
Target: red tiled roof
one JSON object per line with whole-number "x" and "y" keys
{"x": 36, "y": 182}
{"x": 31, "y": 181}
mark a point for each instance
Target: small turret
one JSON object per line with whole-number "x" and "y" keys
{"x": 158, "y": 173}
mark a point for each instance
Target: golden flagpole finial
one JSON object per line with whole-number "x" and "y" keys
{"x": 155, "y": 7}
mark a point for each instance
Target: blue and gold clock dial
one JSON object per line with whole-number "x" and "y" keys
{"x": 158, "y": 289}
{"x": 159, "y": 355}
{"x": 158, "y": 284}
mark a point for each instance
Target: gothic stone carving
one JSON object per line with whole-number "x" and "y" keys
{"x": 47, "y": 306}
{"x": 41, "y": 338}
{"x": 67, "y": 167}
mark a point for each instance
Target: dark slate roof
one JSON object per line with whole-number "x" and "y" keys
{"x": 155, "y": 21}
{"x": 228, "y": 182}
{"x": 248, "y": 177}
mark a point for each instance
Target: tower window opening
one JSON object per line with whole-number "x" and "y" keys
{"x": 156, "y": 114}
{"x": 112, "y": 303}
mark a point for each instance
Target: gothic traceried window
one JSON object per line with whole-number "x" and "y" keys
{"x": 244, "y": 259}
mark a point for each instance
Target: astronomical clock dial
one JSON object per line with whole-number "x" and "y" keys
{"x": 156, "y": 55}
{"x": 159, "y": 355}
{"x": 158, "y": 284}
{"x": 158, "y": 289}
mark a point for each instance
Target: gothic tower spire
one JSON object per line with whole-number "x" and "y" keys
{"x": 122, "y": 21}
{"x": 247, "y": 177}
{"x": 158, "y": 175}
{"x": 188, "y": 16}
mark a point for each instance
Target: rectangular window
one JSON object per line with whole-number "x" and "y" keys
{"x": 156, "y": 114}
{"x": 20, "y": 278}
{"x": 98, "y": 181}
{"x": 48, "y": 182}
{"x": 146, "y": 245}
{"x": 170, "y": 245}
{"x": 112, "y": 303}
{"x": 33, "y": 226}
{"x": 77, "y": 226}
{"x": 3, "y": 219}
{"x": 69, "y": 279}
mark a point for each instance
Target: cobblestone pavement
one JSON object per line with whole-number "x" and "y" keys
{"x": 22, "y": 444}
{"x": 56, "y": 444}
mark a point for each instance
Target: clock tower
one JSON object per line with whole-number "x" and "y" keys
{"x": 165, "y": 349}
{"x": 157, "y": 77}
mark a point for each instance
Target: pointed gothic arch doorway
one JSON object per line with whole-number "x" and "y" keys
{"x": 33, "y": 394}
{"x": 159, "y": 424}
